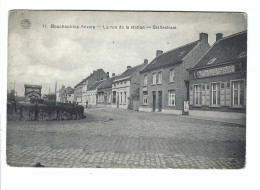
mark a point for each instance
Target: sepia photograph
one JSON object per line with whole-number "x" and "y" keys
{"x": 126, "y": 89}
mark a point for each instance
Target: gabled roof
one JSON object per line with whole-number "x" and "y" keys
{"x": 129, "y": 72}
{"x": 96, "y": 85}
{"x": 170, "y": 57}
{"x": 227, "y": 49}
{"x": 107, "y": 84}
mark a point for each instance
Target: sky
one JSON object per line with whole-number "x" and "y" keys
{"x": 42, "y": 55}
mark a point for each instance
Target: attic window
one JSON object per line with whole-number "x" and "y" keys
{"x": 242, "y": 55}
{"x": 212, "y": 61}
{"x": 181, "y": 53}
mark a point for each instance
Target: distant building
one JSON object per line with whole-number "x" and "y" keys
{"x": 32, "y": 91}
{"x": 60, "y": 93}
{"x": 90, "y": 97}
{"x": 70, "y": 96}
{"x": 105, "y": 91}
{"x": 126, "y": 87}
{"x": 218, "y": 80}
{"x": 164, "y": 81}
{"x": 86, "y": 83}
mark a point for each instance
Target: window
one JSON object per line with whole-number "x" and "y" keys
{"x": 172, "y": 75}
{"x": 160, "y": 77}
{"x": 154, "y": 78}
{"x": 237, "y": 93}
{"x": 145, "y": 98}
{"x": 197, "y": 94}
{"x": 124, "y": 97}
{"x": 171, "y": 98}
{"x": 121, "y": 97}
{"x": 215, "y": 94}
{"x": 145, "y": 80}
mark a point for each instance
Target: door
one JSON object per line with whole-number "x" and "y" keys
{"x": 117, "y": 101}
{"x": 154, "y": 100}
{"x": 160, "y": 101}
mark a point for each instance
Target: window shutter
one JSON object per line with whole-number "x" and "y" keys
{"x": 228, "y": 94}
{"x": 191, "y": 95}
{"x": 223, "y": 94}
{"x": 207, "y": 95}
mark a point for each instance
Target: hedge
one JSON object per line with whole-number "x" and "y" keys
{"x": 43, "y": 112}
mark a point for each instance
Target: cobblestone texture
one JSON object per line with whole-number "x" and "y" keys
{"x": 115, "y": 138}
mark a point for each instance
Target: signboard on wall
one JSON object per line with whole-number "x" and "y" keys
{"x": 215, "y": 71}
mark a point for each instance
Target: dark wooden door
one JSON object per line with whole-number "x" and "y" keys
{"x": 160, "y": 101}
{"x": 154, "y": 100}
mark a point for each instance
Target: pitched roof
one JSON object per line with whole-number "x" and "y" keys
{"x": 96, "y": 85}
{"x": 107, "y": 84}
{"x": 173, "y": 56}
{"x": 227, "y": 49}
{"x": 84, "y": 80}
{"x": 129, "y": 72}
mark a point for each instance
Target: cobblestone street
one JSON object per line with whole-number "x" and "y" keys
{"x": 116, "y": 138}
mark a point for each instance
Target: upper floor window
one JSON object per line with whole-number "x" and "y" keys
{"x": 172, "y": 75}
{"x": 154, "y": 78}
{"x": 145, "y": 80}
{"x": 237, "y": 93}
{"x": 160, "y": 77}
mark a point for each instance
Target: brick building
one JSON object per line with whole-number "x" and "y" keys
{"x": 218, "y": 80}
{"x": 105, "y": 92}
{"x": 86, "y": 83}
{"x": 164, "y": 81}
{"x": 126, "y": 87}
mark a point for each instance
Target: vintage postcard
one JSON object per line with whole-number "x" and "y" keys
{"x": 127, "y": 89}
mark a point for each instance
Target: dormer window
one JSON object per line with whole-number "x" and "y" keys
{"x": 211, "y": 61}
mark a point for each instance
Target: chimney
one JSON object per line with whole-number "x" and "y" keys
{"x": 219, "y": 36}
{"x": 107, "y": 75}
{"x": 146, "y": 61}
{"x": 128, "y": 67}
{"x": 113, "y": 74}
{"x": 204, "y": 37}
{"x": 159, "y": 52}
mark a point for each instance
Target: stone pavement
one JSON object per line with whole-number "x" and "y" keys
{"x": 115, "y": 138}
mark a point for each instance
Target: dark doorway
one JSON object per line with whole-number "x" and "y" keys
{"x": 160, "y": 101}
{"x": 154, "y": 100}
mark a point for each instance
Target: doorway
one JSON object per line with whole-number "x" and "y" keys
{"x": 160, "y": 101}
{"x": 154, "y": 100}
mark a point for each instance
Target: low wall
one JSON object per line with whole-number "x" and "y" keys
{"x": 43, "y": 112}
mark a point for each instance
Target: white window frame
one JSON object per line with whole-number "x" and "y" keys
{"x": 217, "y": 93}
{"x": 145, "y": 98}
{"x": 160, "y": 77}
{"x": 197, "y": 93}
{"x": 171, "y": 75}
{"x": 239, "y": 89}
{"x": 145, "y": 80}
{"x": 154, "y": 78}
{"x": 171, "y": 96}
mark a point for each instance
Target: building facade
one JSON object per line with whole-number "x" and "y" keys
{"x": 86, "y": 83}
{"x": 218, "y": 80}
{"x": 105, "y": 92}
{"x": 32, "y": 91}
{"x": 164, "y": 81}
{"x": 126, "y": 87}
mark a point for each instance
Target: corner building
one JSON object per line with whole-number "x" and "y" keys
{"x": 164, "y": 81}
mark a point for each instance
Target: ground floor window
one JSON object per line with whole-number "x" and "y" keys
{"x": 237, "y": 93}
{"x": 145, "y": 98}
{"x": 215, "y": 94}
{"x": 171, "y": 98}
{"x": 124, "y": 97}
{"x": 121, "y": 97}
{"x": 197, "y": 94}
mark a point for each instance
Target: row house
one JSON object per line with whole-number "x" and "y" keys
{"x": 126, "y": 87}
{"x": 164, "y": 81}
{"x": 59, "y": 93}
{"x": 90, "y": 97}
{"x": 105, "y": 91}
{"x": 218, "y": 80}
{"x": 86, "y": 83}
